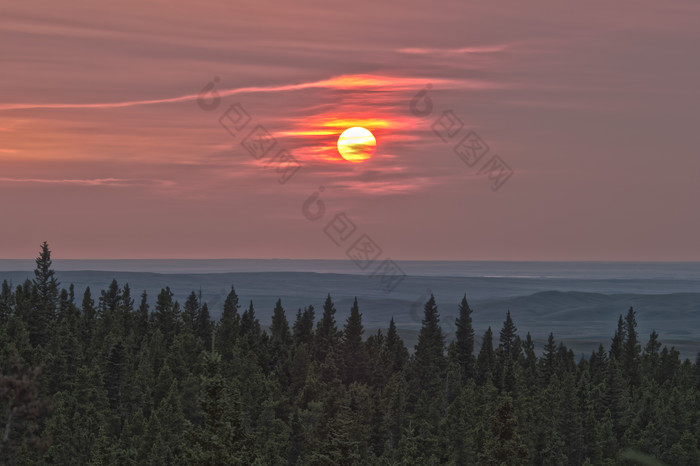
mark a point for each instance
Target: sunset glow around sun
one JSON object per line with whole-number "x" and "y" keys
{"x": 356, "y": 144}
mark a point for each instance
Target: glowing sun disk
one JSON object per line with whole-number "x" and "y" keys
{"x": 356, "y": 144}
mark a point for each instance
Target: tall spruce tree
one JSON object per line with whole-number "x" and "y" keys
{"x": 303, "y": 329}
{"x": 395, "y": 349}
{"x": 327, "y": 334}
{"x": 44, "y": 309}
{"x": 507, "y": 354}
{"x": 486, "y": 360}
{"x": 280, "y": 335}
{"x": 427, "y": 369}
{"x": 631, "y": 349}
{"x": 464, "y": 344}
{"x": 354, "y": 361}
{"x": 618, "y": 340}
{"x": 229, "y": 326}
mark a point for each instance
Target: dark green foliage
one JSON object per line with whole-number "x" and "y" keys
{"x": 229, "y": 326}
{"x": 486, "y": 361}
{"x": 464, "y": 341}
{"x": 631, "y": 349}
{"x": 503, "y": 443}
{"x": 327, "y": 334}
{"x": 121, "y": 386}
{"x": 355, "y": 362}
{"x": 20, "y": 408}
{"x": 45, "y": 298}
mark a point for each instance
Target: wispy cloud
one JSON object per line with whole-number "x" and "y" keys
{"x": 115, "y": 182}
{"x": 460, "y": 50}
{"x": 347, "y": 82}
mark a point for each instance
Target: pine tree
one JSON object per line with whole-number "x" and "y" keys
{"x": 250, "y": 330}
{"x": 355, "y": 364}
{"x": 550, "y": 362}
{"x": 229, "y": 327}
{"x": 427, "y": 370}
{"x": 142, "y": 317}
{"x": 190, "y": 311}
{"x": 618, "y": 340}
{"x": 631, "y": 350}
{"x": 327, "y": 334}
{"x": 303, "y": 329}
{"x": 44, "y": 309}
{"x": 166, "y": 316}
{"x": 204, "y": 326}
{"x": 464, "y": 344}
{"x": 280, "y": 335}
{"x": 110, "y": 299}
{"x": 395, "y": 349}
{"x": 486, "y": 361}
{"x": 89, "y": 316}
{"x": 508, "y": 353}
{"x": 529, "y": 361}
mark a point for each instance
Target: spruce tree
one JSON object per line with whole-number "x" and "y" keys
{"x": 427, "y": 371}
{"x": 631, "y": 350}
{"x": 550, "y": 361}
{"x": 486, "y": 361}
{"x": 507, "y": 354}
{"x": 395, "y": 349}
{"x": 618, "y": 340}
{"x": 354, "y": 365}
{"x": 203, "y": 326}
{"x": 190, "y": 311}
{"x": 229, "y": 327}
{"x": 280, "y": 335}
{"x": 303, "y": 329}
{"x": 44, "y": 309}
{"x": 464, "y": 344}
{"x": 141, "y": 318}
{"x": 327, "y": 334}
{"x": 166, "y": 316}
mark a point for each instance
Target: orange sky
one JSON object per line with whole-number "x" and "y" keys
{"x": 105, "y": 153}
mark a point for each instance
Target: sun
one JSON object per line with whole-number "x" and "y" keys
{"x": 356, "y": 144}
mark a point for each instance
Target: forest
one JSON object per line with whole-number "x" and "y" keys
{"x": 107, "y": 379}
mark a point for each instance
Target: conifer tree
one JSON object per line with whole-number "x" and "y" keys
{"x": 395, "y": 348}
{"x": 327, "y": 334}
{"x": 229, "y": 327}
{"x": 203, "y": 326}
{"x": 464, "y": 344}
{"x": 190, "y": 311}
{"x": 250, "y": 329}
{"x": 508, "y": 353}
{"x": 44, "y": 309}
{"x": 631, "y": 349}
{"x": 486, "y": 361}
{"x": 427, "y": 370}
{"x": 166, "y": 316}
{"x": 142, "y": 317}
{"x": 303, "y": 329}
{"x": 550, "y": 361}
{"x": 355, "y": 365}
{"x": 618, "y": 340}
{"x": 280, "y": 335}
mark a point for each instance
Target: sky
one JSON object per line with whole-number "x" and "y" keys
{"x": 544, "y": 130}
